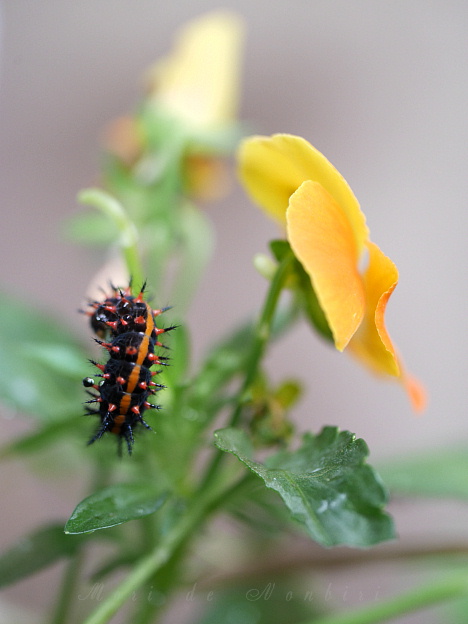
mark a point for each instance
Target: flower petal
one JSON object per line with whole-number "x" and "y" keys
{"x": 272, "y": 168}
{"x": 416, "y": 392}
{"x": 371, "y": 343}
{"x": 199, "y": 81}
{"x": 322, "y": 239}
{"x": 269, "y": 175}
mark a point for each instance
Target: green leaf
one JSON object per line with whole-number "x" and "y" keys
{"x": 226, "y": 360}
{"x": 35, "y": 552}
{"x": 280, "y": 249}
{"x": 261, "y": 510}
{"x": 325, "y": 483}
{"x": 114, "y": 505}
{"x": 40, "y": 362}
{"x": 440, "y": 473}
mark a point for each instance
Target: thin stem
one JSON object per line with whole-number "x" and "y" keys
{"x": 310, "y": 559}
{"x": 208, "y": 497}
{"x": 147, "y": 567}
{"x": 67, "y": 593}
{"x": 261, "y": 338}
{"x": 168, "y": 575}
{"x": 128, "y": 234}
{"x": 262, "y": 332}
{"x": 422, "y": 597}
{"x": 147, "y": 612}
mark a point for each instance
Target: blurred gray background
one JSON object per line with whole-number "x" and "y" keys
{"x": 379, "y": 86}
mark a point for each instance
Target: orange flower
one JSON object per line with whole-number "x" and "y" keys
{"x": 297, "y": 186}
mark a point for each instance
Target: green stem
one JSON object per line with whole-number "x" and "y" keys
{"x": 128, "y": 233}
{"x": 209, "y": 497}
{"x": 67, "y": 592}
{"x": 148, "y": 611}
{"x": 147, "y": 567}
{"x": 422, "y": 597}
{"x": 168, "y": 575}
{"x": 261, "y": 338}
{"x": 262, "y": 333}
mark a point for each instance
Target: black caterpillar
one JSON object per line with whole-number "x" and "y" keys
{"x": 126, "y": 324}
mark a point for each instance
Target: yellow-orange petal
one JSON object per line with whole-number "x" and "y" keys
{"x": 372, "y": 343}
{"x": 416, "y": 392}
{"x": 199, "y": 81}
{"x": 272, "y": 168}
{"x": 322, "y": 239}
{"x": 269, "y": 175}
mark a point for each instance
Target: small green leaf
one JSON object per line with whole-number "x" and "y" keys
{"x": 114, "y": 505}
{"x": 325, "y": 483}
{"x": 288, "y": 393}
{"x": 35, "y": 552}
{"x": 438, "y": 474}
{"x": 280, "y": 249}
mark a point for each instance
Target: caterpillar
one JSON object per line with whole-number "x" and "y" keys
{"x": 126, "y": 329}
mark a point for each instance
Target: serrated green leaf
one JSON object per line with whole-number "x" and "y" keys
{"x": 115, "y": 505}
{"x": 39, "y": 359}
{"x": 439, "y": 473}
{"x": 261, "y": 510}
{"x": 35, "y": 552}
{"x": 326, "y": 485}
